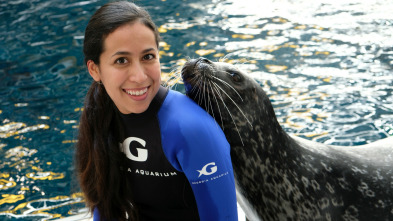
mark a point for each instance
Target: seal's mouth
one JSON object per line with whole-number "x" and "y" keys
{"x": 195, "y": 74}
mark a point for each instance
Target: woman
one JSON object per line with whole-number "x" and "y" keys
{"x": 173, "y": 162}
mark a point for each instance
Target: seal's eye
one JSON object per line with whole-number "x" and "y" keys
{"x": 235, "y": 76}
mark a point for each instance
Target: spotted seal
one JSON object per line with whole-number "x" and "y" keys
{"x": 281, "y": 176}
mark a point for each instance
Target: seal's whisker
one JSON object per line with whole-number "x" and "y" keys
{"x": 229, "y": 112}
{"x": 200, "y": 96}
{"x": 197, "y": 87}
{"x": 211, "y": 102}
{"x": 175, "y": 82}
{"x": 173, "y": 77}
{"x": 208, "y": 104}
{"x": 218, "y": 106}
{"x": 195, "y": 79}
{"x": 225, "y": 58}
{"x": 237, "y": 106}
{"x": 176, "y": 70}
{"x": 205, "y": 95}
{"x": 225, "y": 83}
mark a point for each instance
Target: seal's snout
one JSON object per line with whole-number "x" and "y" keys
{"x": 187, "y": 71}
{"x": 195, "y": 67}
{"x": 196, "y": 71}
{"x": 204, "y": 66}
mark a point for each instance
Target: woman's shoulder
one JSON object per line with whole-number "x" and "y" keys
{"x": 180, "y": 103}
{"x": 177, "y": 107}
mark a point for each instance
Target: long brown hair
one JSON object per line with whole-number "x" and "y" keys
{"x": 98, "y": 157}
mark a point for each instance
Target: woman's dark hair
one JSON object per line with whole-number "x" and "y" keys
{"x": 107, "y": 19}
{"x": 98, "y": 157}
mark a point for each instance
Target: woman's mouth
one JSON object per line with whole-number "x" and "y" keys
{"x": 139, "y": 94}
{"x": 134, "y": 92}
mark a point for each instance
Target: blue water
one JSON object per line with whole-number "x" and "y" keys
{"x": 326, "y": 65}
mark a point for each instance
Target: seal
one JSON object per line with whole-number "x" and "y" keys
{"x": 283, "y": 177}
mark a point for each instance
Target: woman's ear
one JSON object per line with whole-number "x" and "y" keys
{"x": 93, "y": 70}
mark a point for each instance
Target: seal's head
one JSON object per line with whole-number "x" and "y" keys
{"x": 234, "y": 99}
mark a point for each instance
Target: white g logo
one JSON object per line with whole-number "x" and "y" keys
{"x": 213, "y": 169}
{"x": 142, "y": 153}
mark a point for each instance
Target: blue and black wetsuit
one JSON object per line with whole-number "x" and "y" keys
{"x": 179, "y": 162}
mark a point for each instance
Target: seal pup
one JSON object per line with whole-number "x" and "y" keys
{"x": 284, "y": 177}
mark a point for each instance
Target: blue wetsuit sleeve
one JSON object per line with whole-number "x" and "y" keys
{"x": 96, "y": 215}
{"x": 208, "y": 168}
{"x": 195, "y": 144}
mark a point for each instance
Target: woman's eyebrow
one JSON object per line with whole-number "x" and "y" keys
{"x": 148, "y": 50}
{"x": 129, "y": 53}
{"x": 121, "y": 53}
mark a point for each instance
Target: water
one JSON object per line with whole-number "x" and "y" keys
{"x": 326, "y": 65}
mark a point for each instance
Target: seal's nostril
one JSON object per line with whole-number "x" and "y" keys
{"x": 204, "y": 68}
{"x": 205, "y": 60}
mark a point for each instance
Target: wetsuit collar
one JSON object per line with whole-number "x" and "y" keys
{"x": 158, "y": 99}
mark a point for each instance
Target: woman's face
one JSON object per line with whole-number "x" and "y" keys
{"x": 129, "y": 67}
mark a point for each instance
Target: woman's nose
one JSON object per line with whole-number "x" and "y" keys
{"x": 137, "y": 73}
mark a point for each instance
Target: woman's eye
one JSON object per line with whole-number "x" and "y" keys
{"x": 235, "y": 76}
{"x": 121, "y": 61}
{"x": 148, "y": 57}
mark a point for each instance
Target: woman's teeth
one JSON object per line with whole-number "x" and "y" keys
{"x": 136, "y": 92}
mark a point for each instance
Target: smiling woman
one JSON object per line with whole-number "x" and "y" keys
{"x": 165, "y": 139}
{"x": 129, "y": 67}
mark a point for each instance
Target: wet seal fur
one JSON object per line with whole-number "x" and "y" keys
{"x": 284, "y": 177}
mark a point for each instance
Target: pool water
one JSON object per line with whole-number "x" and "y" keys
{"x": 326, "y": 66}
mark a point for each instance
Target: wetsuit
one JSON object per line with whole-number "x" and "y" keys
{"x": 179, "y": 162}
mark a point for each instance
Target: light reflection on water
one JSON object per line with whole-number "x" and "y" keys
{"x": 325, "y": 65}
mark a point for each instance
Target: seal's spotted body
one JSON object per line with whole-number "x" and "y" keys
{"x": 282, "y": 177}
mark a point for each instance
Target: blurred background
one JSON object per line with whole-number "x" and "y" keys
{"x": 326, "y": 66}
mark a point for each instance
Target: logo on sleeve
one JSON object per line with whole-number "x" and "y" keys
{"x": 208, "y": 169}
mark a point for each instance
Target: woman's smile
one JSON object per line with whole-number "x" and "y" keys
{"x": 137, "y": 94}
